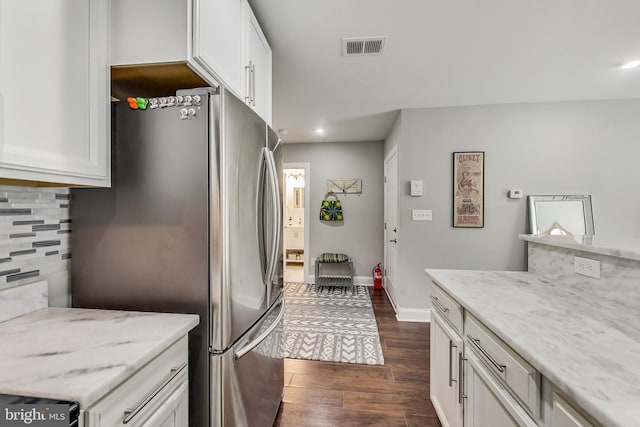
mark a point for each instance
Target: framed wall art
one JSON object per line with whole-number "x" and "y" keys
{"x": 468, "y": 189}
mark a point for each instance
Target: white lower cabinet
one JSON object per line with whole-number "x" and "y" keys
{"x": 446, "y": 354}
{"x": 480, "y": 381}
{"x": 564, "y": 415}
{"x": 174, "y": 412}
{"x": 155, "y": 395}
{"x": 488, "y": 402}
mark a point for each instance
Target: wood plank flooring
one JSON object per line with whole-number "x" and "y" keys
{"x": 328, "y": 394}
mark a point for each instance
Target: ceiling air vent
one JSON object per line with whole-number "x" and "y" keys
{"x": 363, "y": 45}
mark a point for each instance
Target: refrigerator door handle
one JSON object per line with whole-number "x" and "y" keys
{"x": 265, "y": 257}
{"x": 277, "y": 215}
{"x": 253, "y": 344}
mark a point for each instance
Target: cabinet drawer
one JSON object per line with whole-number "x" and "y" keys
{"x": 145, "y": 392}
{"x": 504, "y": 363}
{"x": 447, "y": 307}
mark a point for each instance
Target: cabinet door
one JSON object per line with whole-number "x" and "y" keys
{"x": 257, "y": 84}
{"x": 217, "y": 40}
{"x": 54, "y": 91}
{"x": 445, "y": 353}
{"x": 487, "y": 402}
{"x": 564, "y": 415}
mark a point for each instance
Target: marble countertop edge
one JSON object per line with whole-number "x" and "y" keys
{"x": 619, "y": 248}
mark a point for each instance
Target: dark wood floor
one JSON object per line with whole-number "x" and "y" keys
{"x": 343, "y": 394}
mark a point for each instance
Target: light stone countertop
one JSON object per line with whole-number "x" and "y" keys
{"x": 571, "y": 338}
{"x": 81, "y": 354}
{"x": 620, "y": 248}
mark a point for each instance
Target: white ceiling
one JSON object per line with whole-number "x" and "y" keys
{"x": 440, "y": 53}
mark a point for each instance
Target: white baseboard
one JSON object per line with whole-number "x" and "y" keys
{"x": 358, "y": 280}
{"x": 402, "y": 314}
{"x": 413, "y": 314}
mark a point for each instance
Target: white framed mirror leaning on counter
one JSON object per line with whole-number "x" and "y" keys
{"x": 561, "y": 215}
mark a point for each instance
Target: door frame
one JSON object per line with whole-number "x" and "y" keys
{"x": 390, "y": 154}
{"x": 307, "y": 200}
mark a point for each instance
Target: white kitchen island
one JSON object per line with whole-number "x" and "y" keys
{"x": 558, "y": 348}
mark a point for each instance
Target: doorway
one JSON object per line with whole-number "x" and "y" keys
{"x": 391, "y": 225}
{"x": 296, "y": 224}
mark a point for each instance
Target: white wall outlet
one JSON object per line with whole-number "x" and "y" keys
{"x": 421, "y": 215}
{"x": 515, "y": 193}
{"x": 587, "y": 267}
{"x": 416, "y": 188}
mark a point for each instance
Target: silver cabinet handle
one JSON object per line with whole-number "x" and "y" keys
{"x": 476, "y": 343}
{"x": 393, "y": 241}
{"x": 461, "y": 394}
{"x": 253, "y": 84}
{"x": 438, "y": 305}
{"x": 130, "y": 413}
{"x": 247, "y": 72}
{"x": 451, "y": 347}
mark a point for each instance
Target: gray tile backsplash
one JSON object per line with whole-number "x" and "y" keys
{"x": 34, "y": 239}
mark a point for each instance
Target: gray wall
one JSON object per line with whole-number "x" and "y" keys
{"x": 546, "y": 148}
{"x": 360, "y": 234}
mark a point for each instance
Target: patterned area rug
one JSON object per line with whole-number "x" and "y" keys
{"x": 329, "y": 323}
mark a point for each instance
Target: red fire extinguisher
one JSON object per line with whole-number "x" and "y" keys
{"x": 377, "y": 276}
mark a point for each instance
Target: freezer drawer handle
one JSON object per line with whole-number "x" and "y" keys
{"x": 253, "y": 344}
{"x": 130, "y": 413}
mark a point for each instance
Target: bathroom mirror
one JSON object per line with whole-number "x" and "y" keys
{"x": 561, "y": 214}
{"x": 298, "y": 197}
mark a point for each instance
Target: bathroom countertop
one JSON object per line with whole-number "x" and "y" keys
{"x": 81, "y": 354}
{"x": 577, "y": 341}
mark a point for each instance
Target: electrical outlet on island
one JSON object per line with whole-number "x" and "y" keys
{"x": 587, "y": 267}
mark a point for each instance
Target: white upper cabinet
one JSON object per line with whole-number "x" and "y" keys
{"x": 220, "y": 40}
{"x": 204, "y": 34}
{"x": 54, "y": 91}
{"x": 217, "y": 40}
{"x": 148, "y": 31}
{"x": 257, "y": 66}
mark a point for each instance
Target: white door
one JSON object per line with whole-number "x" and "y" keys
{"x": 391, "y": 224}
{"x": 295, "y": 217}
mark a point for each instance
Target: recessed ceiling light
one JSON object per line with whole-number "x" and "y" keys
{"x": 630, "y": 65}
{"x": 319, "y": 131}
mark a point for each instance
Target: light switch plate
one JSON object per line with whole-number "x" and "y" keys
{"x": 416, "y": 188}
{"x": 587, "y": 267}
{"x": 421, "y": 214}
{"x": 515, "y": 193}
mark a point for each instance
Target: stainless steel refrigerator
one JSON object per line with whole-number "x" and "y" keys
{"x": 192, "y": 224}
